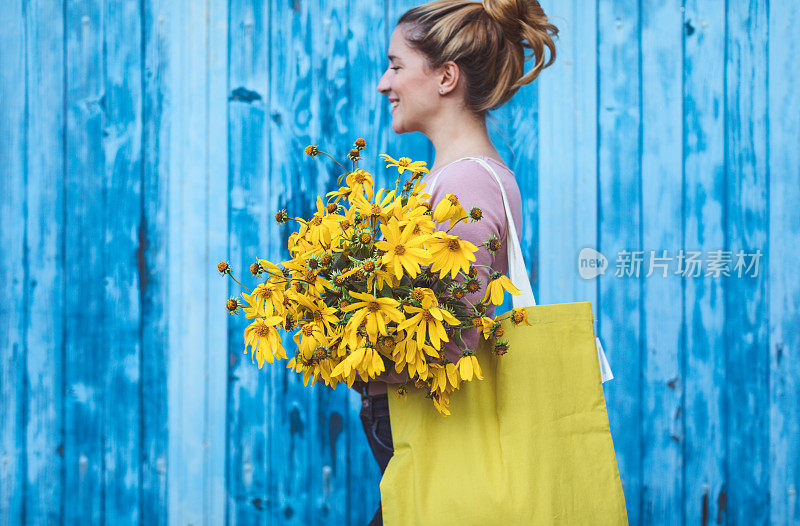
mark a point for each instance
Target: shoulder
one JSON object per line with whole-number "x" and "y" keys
{"x": 470, "y": 178}
{"x": 473, "y": 172}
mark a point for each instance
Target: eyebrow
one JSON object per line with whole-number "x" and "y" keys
{"x": 392, "y": 58}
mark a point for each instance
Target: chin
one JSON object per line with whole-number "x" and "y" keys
{"x": 398, "y": 128}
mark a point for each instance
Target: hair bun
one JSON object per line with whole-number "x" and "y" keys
{"x": 510, "y": 14}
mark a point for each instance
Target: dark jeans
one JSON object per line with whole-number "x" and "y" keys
{"x": 375, "y": 419}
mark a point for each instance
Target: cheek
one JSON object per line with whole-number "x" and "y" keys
{"x": 412, "y": 91}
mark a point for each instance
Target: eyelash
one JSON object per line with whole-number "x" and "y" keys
{"x": 395, "y": 67}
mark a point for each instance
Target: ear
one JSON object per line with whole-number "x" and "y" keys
{"x": 450, "y": 74}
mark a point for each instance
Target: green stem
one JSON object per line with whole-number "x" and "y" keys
{"x": 237, "y": 281}
{"x": 457, "y": 222}
{"x": 334, "y": 160}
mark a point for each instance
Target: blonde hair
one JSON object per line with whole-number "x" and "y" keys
{"x": 487, "y": 40}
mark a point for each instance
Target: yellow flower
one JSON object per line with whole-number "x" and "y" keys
{"x": 377, "y": 312}
{"x": 498, "y": 284}
{"x": 450, "y": 254}
{"x": 345, "y": 226}
{"x": 453, "y": 377}
{"x": 323, "y": 315}
{"x": 428, "y": 321}
{"x": 449, "y": 208}
{"x": 264, "y": 340}
{"x": 361, "y": 184}
{"x": 438, "y": 374}
{"x": 364, "y": 358}
{"x": 404, "y": 163}
{"x": 417, "y": 191}
{"x": 442, "y": 401}
{"x": 408, "y": 352}
{"x": 315, "y": 284}
{"x": 419, "y": 225}
{"x": 425, "y": 296}
{"x": 468, "y": 365}
{"x": 266, "y": 299}
{"x": 484, "y": 326}
{"x": 342, "y": 192}
{"x": 402, "y": 250}
{"x": 312, "y": 337}
{"x": 380, "y": 276}
{"x": 297, "y": 243}
{"x": 276, "y": 274}
{"x": 381, "y": 208}
{"x": 315, "y": 230}
{"x": 519, "y": 316}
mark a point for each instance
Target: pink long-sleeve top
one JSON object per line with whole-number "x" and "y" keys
{"x": 474, "y": 186}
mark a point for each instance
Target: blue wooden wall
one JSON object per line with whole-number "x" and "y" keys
{"x": 144, "y": 141}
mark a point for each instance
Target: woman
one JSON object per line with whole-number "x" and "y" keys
{"x": 450, "y": 62}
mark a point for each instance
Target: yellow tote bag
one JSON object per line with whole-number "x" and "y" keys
{"x": 528, "y": 444}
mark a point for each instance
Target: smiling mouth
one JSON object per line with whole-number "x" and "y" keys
{"x": 394, "y": 105}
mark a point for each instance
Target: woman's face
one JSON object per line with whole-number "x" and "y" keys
{"x": 413, "y": 91}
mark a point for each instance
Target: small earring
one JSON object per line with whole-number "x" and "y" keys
{"x": 441, "y": 90}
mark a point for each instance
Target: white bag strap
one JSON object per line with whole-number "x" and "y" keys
{"x": 517, "y": 271}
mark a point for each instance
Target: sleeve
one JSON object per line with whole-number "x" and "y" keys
{"x": 475, "y": 187}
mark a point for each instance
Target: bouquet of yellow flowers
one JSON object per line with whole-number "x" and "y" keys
{"x": 373, "y": 283}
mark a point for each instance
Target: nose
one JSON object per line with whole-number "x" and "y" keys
{"x": 383, "y": 84}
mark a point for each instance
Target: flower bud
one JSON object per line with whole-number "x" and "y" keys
{"x": 232, "y": 305}
{"x": 500, "y": 348}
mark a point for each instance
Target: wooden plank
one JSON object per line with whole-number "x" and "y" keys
{"x": 662, "y": 237}
{"x": 567, "y": 143}
{"x": 13, "y": 264}
{"x": 152, "y": 262}
{"x": 784, "y": 281}
{"x": 704, "y": 310}
{"x": 122, "y": 133}
{"x": 197, "y": 240}
{"x": 294, "y": 123}
{"x": 370, "y": 119}
{"x": 620, "y": 212}
{"x": 331, "y": 44}
{"x": 368, "y": 109}
{"x": 85, "y": 356}
{"x": 45, "y": 285}
{"x": 217, "y": 187}
{"x": 249, "y": 471}
{"x": 746, "y": 213}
